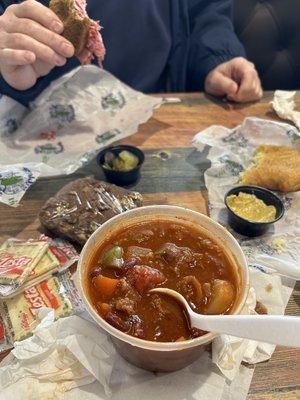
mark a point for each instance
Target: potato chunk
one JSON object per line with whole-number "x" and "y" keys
{"x": 222, "y": 297}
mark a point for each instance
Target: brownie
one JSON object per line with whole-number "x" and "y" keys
{"x": 82, "y": 206}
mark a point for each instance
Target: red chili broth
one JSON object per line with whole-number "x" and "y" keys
{"x": 158, "y": 317}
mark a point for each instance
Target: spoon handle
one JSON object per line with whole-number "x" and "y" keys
{"x": 275, "y": 329}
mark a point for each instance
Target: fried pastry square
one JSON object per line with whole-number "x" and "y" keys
{"x": 276, "y": 168}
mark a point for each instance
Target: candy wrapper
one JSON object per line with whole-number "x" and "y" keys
{"x": 19, "y": 312}
{"x": 231, "y": 152}
{"x": 58, "y": 257}
{"x": 18, "y": 260}
{"x": 65, "y": 126}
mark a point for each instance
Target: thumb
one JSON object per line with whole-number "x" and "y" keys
{"x": 220, "y": 85}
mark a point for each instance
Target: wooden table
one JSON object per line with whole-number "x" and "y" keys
{"x": 173, "y": 174}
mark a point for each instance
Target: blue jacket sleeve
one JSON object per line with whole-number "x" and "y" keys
{"x": 212, "y": 41}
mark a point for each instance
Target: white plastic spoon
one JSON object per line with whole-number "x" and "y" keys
{"x": 275, "y": 329}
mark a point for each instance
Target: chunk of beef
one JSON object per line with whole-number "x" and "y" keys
{"x": 123, "y": 287}
{"x": 170, "y": 253}
{"x": 125, "y": 305}
{"x": 195, "y": 333}
{"x": 141, "y": 254}
{"x": 157, "y": 303}
{"x": 144, "y": 278}
{"x": 125, "y": 297}
{"x": 143, "y": 235}
{"x": 126, "y": 290}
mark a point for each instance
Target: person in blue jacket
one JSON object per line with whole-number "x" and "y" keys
{"x": 152, "y": 45}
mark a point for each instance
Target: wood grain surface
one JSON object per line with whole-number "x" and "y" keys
{"x": 173, "y": 174}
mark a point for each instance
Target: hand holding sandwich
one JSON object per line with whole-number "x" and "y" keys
{"x": 30, "y": 43}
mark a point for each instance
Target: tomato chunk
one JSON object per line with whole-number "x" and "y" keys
{"x": 144, "y": 278}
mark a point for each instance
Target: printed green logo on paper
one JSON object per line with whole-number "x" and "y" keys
{"x": 49, "y": 148}
{"x": 113, "y": 101}
{"x": 236, "y": 138}
{"x": 11, "y": 180}
{"x": 62, "y": 113}
{"x": 10, "y": 126}
{"x": 106, "y": 136}
{"x": 12, "y": 183}
{"x": 230, "y": 167}
{"x": 295, "y": 136}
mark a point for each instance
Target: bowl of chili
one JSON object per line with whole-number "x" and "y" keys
{"x": 160, "y": 246}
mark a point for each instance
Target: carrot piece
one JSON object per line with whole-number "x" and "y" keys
{"x": 105, "y": 286}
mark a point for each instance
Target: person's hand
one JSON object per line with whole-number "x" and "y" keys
{"x": 236, "y": 79}
{"x": 30, "y": 43}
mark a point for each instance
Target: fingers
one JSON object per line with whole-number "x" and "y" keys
{"x": 258, "y": 90}
{"x": 35, "y": 11}
{"x": 237, "y": 79}
{"x": 18, "y": 41}
{"x": 19, "y": 77}
{"x": 10, "y": 57}
{"x": 30, "y": 43}
{"x": 27, "y": 28}
{"x": 41, "y": 68}
{"x": 249, "y": 87}
{"x": 244, "y": 73}
{"x": 218, "y": 84}
{"x": 38, "y": 32}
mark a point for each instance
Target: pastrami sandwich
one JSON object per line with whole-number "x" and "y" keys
{"x": 80, "y": 30}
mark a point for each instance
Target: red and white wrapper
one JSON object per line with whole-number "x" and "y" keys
{"x": 62, "y": 251}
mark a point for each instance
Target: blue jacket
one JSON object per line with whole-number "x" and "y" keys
{"x": 202, "y": 38}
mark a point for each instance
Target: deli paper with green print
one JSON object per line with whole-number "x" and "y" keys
{"x": 72, "y": 119}
{"x": 231, "y": 152}
{"x": 14, "y": 182}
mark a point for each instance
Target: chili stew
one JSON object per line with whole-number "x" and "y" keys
{"x": 160, "y": 254}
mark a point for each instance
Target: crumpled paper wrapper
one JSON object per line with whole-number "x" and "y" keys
{"x": 284, "y": 105}
{"x": 78, "y": 114}
{"x": 231, "y": 152}
{"x": 273, "y": 292}
{"x": 74, "y": 359}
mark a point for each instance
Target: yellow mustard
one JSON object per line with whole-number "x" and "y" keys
{"x": 249, "y": 207}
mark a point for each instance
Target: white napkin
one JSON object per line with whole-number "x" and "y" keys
{"x": 69, "y": 353}
{"x": 228, "y": 351}
{"x": 284, "y": 105}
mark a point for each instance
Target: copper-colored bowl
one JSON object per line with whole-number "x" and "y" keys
{"x": 159, "y": 356}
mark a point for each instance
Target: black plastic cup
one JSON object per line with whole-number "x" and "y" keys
{"x": 249, "y": 228}
{"x": 121, "y": 178}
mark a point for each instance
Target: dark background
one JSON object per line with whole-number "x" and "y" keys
{"x": 270, "y": 32}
